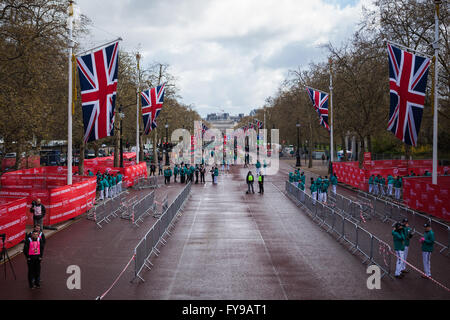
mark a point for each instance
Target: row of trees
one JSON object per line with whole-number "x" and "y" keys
{"x": 33, "y": 82}
{"x": 361, "y": 85}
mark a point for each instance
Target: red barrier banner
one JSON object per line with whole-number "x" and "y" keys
{"x": 29, "y": 162}
{"x": 420, "y": 194}
{"x": 13, "y": 216}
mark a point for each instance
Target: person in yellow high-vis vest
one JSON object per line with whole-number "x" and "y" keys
{"x": 261, "y": 183}
{"x": 250, "y": 179}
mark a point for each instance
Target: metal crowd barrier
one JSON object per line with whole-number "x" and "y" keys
{"x": 136, "y": 210}
{"x": 347, "y": 231}
{"x": 392, "y": 212}
{"x": 106, "y": 209}
{"x": 145, "y": 182}
{"x": 352, "y": 209}
{"x": 155, "y": 235}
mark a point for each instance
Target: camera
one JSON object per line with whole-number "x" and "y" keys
{"x": 3, "y": 236}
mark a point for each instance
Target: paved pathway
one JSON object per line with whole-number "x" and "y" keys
{"x": 226, "y": 245}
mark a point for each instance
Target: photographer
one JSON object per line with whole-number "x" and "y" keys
{"x": 33, "y": 250}
{"x": 38, "y": 211}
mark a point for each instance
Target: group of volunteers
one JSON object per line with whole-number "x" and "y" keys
{"x": 377, "y": 186}
{"x": 401, "y": 235}
{"x": 187, "y": 173}
{"x": 318, "y": 187}
{"x": 109, "y": 185}
{"x": 393, "y": 188}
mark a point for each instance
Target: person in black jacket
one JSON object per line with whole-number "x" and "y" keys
{"x": 202, "y": 173}
{"x": 33, "y": 250}
{"x": 38, "y": 211}
{"x": 261, "y": 183}
{"x": 250, "y": 179}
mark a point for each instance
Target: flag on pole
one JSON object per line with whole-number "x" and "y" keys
{"x": 319, "y": 100}
{"x": 407, "y": 82}
{"x": 152, "y": 102}
{"x": 98, "y": 82}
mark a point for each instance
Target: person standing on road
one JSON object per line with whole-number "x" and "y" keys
{"x": 182, "y": 174}
{"x": 212, "y": 173}
{"x": 427, "y": 248}
{"x": 216, "y": 174}
{"x": 152, "y": 169}
{"x": 313, "y": 188}
{"x": 197, "y": 170}
{"x": 334, "y": 182}
{"x": 390, "y": 179}
{"x": 408, "y": 236}
{"x": 397, "y": 187}
{"x": 33, "y": 250}
{"x": 38, "y": 211}
{"x": 261, "y": 183}
{"x": 399, "y": 247}
{"x": 175, "y": 173}
{"x": 202, "y": 173}
{"x": 371, "y": 178}
{"x": 249, "y": 181}
{"x": 258, "y": 167}
{"x": 167, "y": 175}
{"x": 160, "y": 166}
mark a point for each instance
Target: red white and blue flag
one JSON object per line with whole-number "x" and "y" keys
{"x": 204, "y": 128}
{"x": 319, "y": 100}
{"x": 152, "y": 102}
{"x": 98, "y": 82}
{"x": 259, "y": 124}
{"x": 407, "y": 82}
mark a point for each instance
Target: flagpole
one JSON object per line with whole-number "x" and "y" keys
{"x": 69, "y": 100}
{"x": 331, "y": 114}
{"x": 138, "y": 57}
{"x": 436, "y": 93}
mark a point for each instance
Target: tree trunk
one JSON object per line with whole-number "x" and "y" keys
{"x": 361, "y": 152}
{"x": 310, "y": 163}
{"x": 155, "y": 141}
{"x": 81, "y": 160}
{"x": 344, "y": 148}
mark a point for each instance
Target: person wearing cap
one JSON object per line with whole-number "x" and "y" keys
{"x": 408, "y": 235}
{"x": 313, "y": 189}
{"x": 38, "y": 211}
{"x": 390, "y": 180}
{"x": 249, "y": 179}
{"x": 399, "y": 247}
{"x": 427, "y": 248}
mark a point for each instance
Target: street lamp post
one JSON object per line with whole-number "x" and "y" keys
{"x": 167, "y": 144}
{"x": 298, "y": 164}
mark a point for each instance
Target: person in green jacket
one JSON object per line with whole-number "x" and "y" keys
{"x": 191, "y": 173}
{"x": 408, "y": 235}
{"x": 376, "y": 185}
{"x": 167, "y": 175}
{"x": 427, "y": 248}
{"x": 398, "y": 236}
{"x": 216, "y": 174}
{"x": 371, "y": 178}
{"x": 390, "y": 180}
{"x": 119, "y": 181}
{"x": 303, "y": 177}
{"x": 325, "y": 185}
{"x": 90, "y": 173}
{"x": 334, "y": 182}
{"x": 397, "y": 187}
{"x": 101, "y": 188}
{"x": 258, "y": 167}
{"x": 296, "y": 176}
{"x": 106, "y": 186}
{"x": 291, "y": 177}
{"x": 313, "y": 188}
{"x": 382, "y": 185}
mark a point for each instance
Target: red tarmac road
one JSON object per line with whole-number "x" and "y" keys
{"x": 226, "y": 245}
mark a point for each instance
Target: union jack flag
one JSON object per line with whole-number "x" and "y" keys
{"x": 319, "y": 100}
{"x": 407, "y": 81}
{"x": 98, "y": 82}
{"x": 152, "y": 101}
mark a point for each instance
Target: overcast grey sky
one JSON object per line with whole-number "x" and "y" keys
{"x": 226, "y": 54}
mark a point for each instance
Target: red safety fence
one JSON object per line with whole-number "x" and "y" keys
{"x": 62, "y": 202}
{"x": 29, "y": 162}
{"x": 420, "y": 194}
{"x": 13, "y": 217}
{"x": 426, "y": 200}
{"x": 130, "y": 173}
